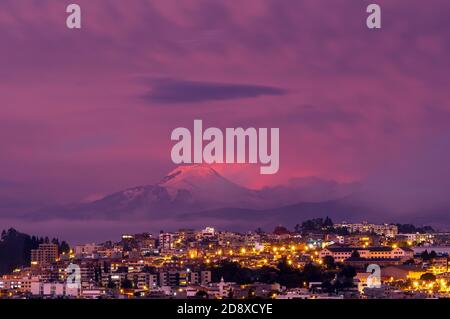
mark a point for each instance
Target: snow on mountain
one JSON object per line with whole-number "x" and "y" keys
{"x": 185, "y": 189}
{"x": 192, "y": 196}
{"x": 188, "y": 189}
{"x": 205, "y": 185}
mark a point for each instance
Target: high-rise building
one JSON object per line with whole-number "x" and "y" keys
{"x": 44, "y": 255}
{"x": 205, "y": 277}
{"x": 166, "y": 241}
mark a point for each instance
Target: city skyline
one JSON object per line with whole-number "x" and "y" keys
{"x": 319, "y": 260}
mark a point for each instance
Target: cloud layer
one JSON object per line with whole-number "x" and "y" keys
{"x": 173, "y": 91}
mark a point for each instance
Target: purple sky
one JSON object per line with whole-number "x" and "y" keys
{"x": 89, "y": 112}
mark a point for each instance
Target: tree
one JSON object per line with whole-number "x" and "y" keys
{"x": 201, "y": 294}
{"x": 426, "y": 256}
{"x": 348, "y": 271}
{"x": 328, "y": 223}
{"x": 259, "y": 230}
{"x": 15, "y": 249}
{"x": 64, "y": 247}
{"x": 409, "y": 262}
{"x": 328, "y": 262}
{"x": 251, "y": 293}
{"x": 316, "y": 224}
{"x": 312, "y": 272}
{"x": 232, "y": 271}
{"x": 428, "y": 277}
{"x": 111, "y": 284}
{"x": 346, "y": 276}
{"x": 312, "y": 224}
{"x": 341, "y": 231}
{"x": 266, "y": 274}
{"x": 411, "y": 229}
{"x": 355, "y": 254}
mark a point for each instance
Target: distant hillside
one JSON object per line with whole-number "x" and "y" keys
{"x": 15, "y": 249}
{"x": 244, "y": 219}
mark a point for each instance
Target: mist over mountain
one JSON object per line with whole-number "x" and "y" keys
{"x": 192, "y": 196}
{"x": 195, "y": 188}
{"x": 309, "y": 189}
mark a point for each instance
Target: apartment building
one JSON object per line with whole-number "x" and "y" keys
{"x": 386, "y": 230}
{"x": 44, "y": 255}
{"x": 340, "y": 254}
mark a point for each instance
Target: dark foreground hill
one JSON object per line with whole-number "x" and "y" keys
{"x": 15, "y": 249}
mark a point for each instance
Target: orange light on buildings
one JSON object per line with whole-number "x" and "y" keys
{"x": 193, "y": 254}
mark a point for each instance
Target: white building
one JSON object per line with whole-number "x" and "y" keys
{"x": 302, "y": 293}
{"x": 22, "y": 284}
{"x": 93, "y": 293}
{"x": 386, "y": 230}
{"x": 208, "y": 232}
{"x": 417, "y": 238}
{"x": 86, "y": 250}
{"x": 54, "y": 289}
{"x": 340, "y": 254}
{"x": 205, "y": 277}
{"x": 166, "y": 241}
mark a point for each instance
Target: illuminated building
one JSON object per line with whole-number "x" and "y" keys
{"x": 386, "y": 230}
{"x": 166, "y": 241}
{"x": 340, "y": 254}
{"x": 44, "y": 255}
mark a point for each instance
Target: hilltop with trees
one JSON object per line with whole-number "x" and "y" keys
{"x": 15, "y": 249}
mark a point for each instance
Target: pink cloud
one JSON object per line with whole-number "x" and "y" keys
{"x": 72, "y": 116}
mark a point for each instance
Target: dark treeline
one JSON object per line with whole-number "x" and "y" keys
{"x": 411, "y": 229}
{"x": 320, "y": 225}
{"x": 15, "y": 249}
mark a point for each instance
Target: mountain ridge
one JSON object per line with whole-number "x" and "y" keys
{"x": 192, "y": 196}
{"x": 185, "y": 189}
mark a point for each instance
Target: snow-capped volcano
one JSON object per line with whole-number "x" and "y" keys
{"x": 185, "y": 189}
{"x": 204, "y": 184}
{"x": 190, "y": 191}
{"x": 188, "y": 174}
